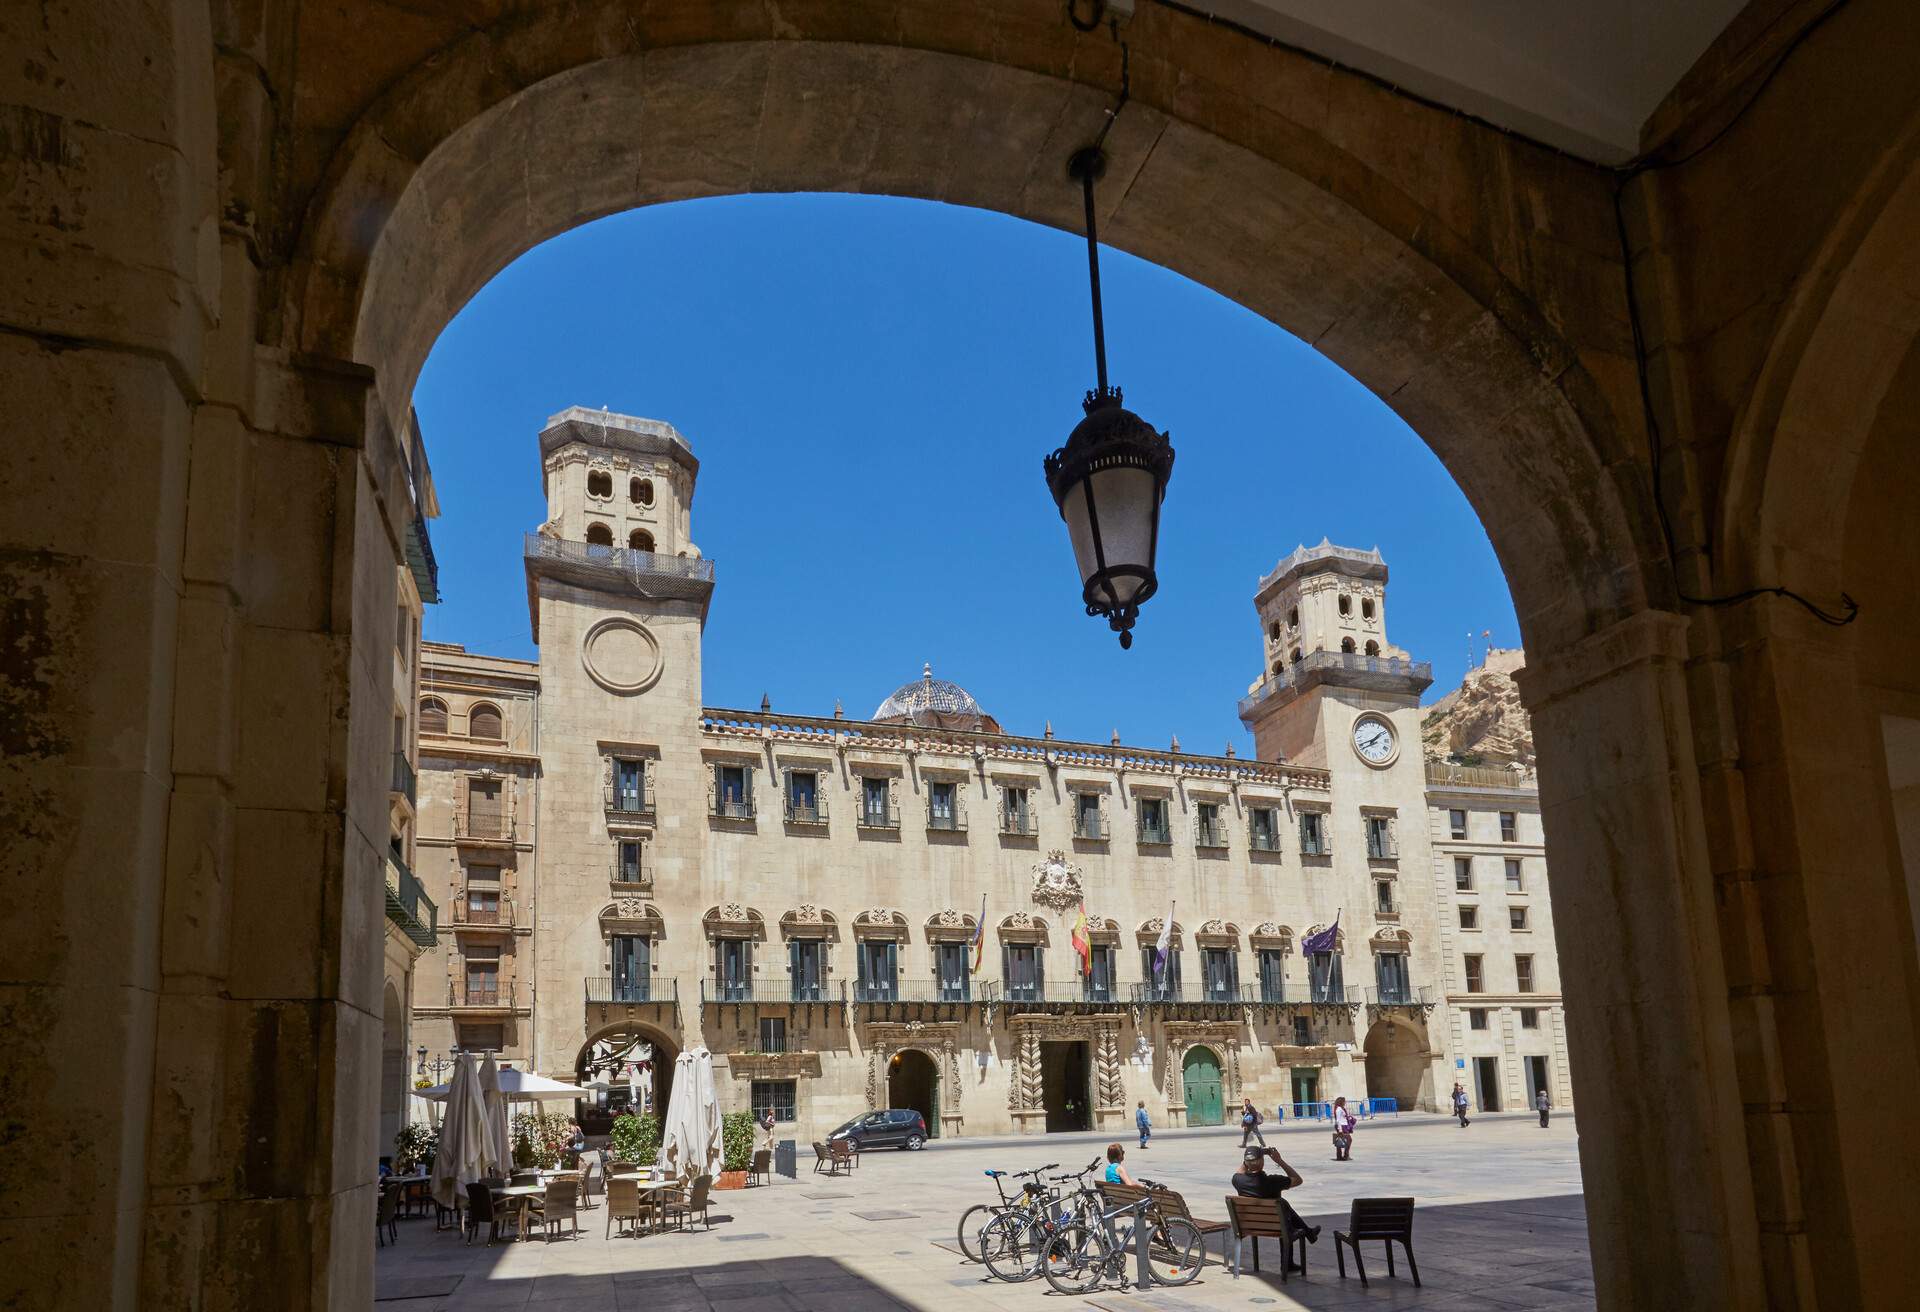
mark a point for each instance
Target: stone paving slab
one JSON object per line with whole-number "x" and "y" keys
{"x": 1500, "y": 1224}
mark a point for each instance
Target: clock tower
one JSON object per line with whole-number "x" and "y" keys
{"x": 1335, "y": 692}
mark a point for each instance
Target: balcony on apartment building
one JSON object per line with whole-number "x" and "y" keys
{"x": 483, "y": 915}
{"x": 404, "y": 783}
{"x": 408, "y": 905}
{"x": 474, "y": 995}
{"x": 1204, "y": 998}
{"x": 483, "y": 828}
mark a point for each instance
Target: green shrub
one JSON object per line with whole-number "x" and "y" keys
{"x": 636, "y": 1138}
{"x": 414, "y": 1149}
{"x": 736, "y": 1141}
{"x": 540, "y": 1137}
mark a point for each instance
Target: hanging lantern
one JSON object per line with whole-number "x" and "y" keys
{"x": 1110, "y": 477}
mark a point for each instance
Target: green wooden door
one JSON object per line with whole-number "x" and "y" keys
{"x": 1201, "y": 1071}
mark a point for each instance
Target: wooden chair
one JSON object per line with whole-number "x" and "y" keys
{"x": 1390, "y": 1220}
{"x": 821, "y": 1157}
{"x": 677, "y": 1206}
{"x": 481, "y": 1211}
{"x": 845, "y": 1156}
{"x": 762, "y": 1168}
{"x": 623, "y": 1201}
{"x": 560, "y": 1204}
{"x": 593, "y": 1178}
{"x": 1257, "y": 1218}
{"x": 383, "y": 1222}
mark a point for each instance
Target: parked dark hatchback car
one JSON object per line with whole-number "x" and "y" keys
{"x": 893, "y": 1128}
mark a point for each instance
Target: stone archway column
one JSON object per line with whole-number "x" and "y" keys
{"x": 1663, "y": 1148}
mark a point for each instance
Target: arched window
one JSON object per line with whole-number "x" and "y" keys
{"x": 483, "y": 721}
{"x": 1373, "y": 648}
{"x": 1293, "y": 617}
{"x": 1279, "y": 668}
{"x": 433, "y": 715}
{"x": 1273, "y": 631}
{"x": 599, "y": 535}
{"x": 1366, "y": 608}
{"x": 1346, "y": 644}
{"x": 1346, "y": 604}
{"x": 1295, "y": 656}
{"x": 599, "y": 483}
{"x": 640, "y": 491}
{"x": 640, "y": 540}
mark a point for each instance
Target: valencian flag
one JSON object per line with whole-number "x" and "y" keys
{"x": 1323, "y": 941}
{"x": 980, "y": 935}
{"x": 1081, "y": 943}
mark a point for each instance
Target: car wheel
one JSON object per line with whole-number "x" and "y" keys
{"x": 915, "y": 1143}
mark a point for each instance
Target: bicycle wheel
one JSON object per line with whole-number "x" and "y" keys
{"x": 1010, "y": 1247}
{"x": 1176, "y": 1251}
{"x": 1074, "y": 1260}
{"x": 972, "y": 1222}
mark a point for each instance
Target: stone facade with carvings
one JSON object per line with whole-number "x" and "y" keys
{"x": 804, "y": 894}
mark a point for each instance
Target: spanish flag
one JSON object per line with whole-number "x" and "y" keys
{"x": 1082, "y": 943}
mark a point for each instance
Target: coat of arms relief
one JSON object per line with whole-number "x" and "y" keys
{"x": 1056, "y": 881}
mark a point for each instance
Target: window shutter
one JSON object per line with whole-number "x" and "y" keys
{"x": 1233, "y": 970}
{"x": 1006, "y": 965}
{"x": 746, "y": 795}
{"x": 891, "y": 963}
{"x": 1173, "y": 966}
{"x": 714, "y": 793}
{"x": 1338, "y": 983}
{"x": 1039, "y": 970}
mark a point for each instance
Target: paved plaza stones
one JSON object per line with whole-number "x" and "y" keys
{"x": 1500, "y": 1223}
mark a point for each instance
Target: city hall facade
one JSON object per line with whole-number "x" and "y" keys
{"x": 863, "y": 913}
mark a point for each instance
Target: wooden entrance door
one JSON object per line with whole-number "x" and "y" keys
{"x": 1201, "y": 1072}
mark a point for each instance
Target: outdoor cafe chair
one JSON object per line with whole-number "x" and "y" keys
{"x": 680, "y": 1207}
{"x": 383, "y": 1222}
{"x": 559, "y": 1205}
{"x": 482, "y": 1211}
{"x": 623, "y": 1201}
{"x": 762, "y": 1169}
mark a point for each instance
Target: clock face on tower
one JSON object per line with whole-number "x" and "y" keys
{"x": 1374, "y": 741}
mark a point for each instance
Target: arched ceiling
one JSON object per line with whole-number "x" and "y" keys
{"x": 1583, "y": 77}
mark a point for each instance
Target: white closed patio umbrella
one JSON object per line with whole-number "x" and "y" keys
{"x": 709, "y": 1111}
{"x": 690, "y": 1136}
{"x": 463, "y": 1156}
{"x": 676, "y": 1128}
{"x": 499, "y": 1140}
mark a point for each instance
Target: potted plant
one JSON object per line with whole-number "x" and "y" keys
{"x": 736, "y": 1149}
{"x": 414, "y": 1149}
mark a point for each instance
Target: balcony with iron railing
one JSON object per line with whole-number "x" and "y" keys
{"x": 1325, "y": 995}
{"x": 727, "y": 807}
{"x": 1156, "y": 832}
{"x": 603, "y": 988}
{"x": 1020, "y": 823}
{"x": 408, "y": 905}
{"x": 626, "y": 804}
{"x": 1262, "y": 840}
{"x": 878, "y": 993}
{"x": 1188, "y": 995}
{"x": 782, "y": 993}
{"x": 646, "y": 573}
{"x": 943, "y": 821}
{"x": 471, "y": 826}
{"x": 1209, "y": 836}
{"x": 630, "y": 877}
{"x": 878, "y": 817}
{"x": 1404, "y": 995}
{"x": 474, "y": 996}
{"x": 468, "y": 916}
{"x": 1090, "y": 826}
{"x": 806, "y": 811}
{"x": 1083, "y": 994}
{"x": 404, "y": 782}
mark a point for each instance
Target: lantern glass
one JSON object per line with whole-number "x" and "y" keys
{"x": 1126, "y": 498}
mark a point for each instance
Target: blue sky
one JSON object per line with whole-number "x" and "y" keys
{"x": 870, "y": 385}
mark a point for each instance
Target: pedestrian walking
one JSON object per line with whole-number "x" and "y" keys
{"x": 1250, "y": 1123}
{"x": 1460, "y": 1104}
{"x": 1540, "y": 1101}
{"x": 1144, "y": 1125}
{"x": 766, "y": 1129}
{"x": 1343, "y": 1123}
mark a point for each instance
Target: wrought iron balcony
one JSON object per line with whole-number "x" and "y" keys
{"x": 947, "y": 821}
{"x": 806, "y": 813}
{"x": 878, "y": 818}
{"x": 408, "y": 905}
{"x": 1209, "y": 835}
{"x": 1019, "y": 824}
{"x": 1322, "y": 995}
{"x": 1382, "y": 673}
{"x": 626, "y": 804}
{"x": 602, "y": 988}
{"x": 872, "y": 993}
{"x": 629, "y": 878}
{"x": 731, "y": 808}
{"x": 1089, "y": 827}
{"x": 1262, "y": 840}
{"x": 647, "y": 573}
{"x": 488, "y": 997}
{"x": 1273, "y": 995}
{"x": 482, "y": 827}
{"x": 783, "y": 993}
{"x": 1064, "y": 996}
{"x": 1189, "y": 995}
{"x": 1406, "y": 995}
{"x": 498, "y": 916}
{"x": 404, "y": 783}
{"x": 1148, "y": 831}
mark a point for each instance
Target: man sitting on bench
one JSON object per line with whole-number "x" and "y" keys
{"x": 1252, "y": 1181}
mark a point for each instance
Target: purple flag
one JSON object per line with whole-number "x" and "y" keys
{"x": 1323, "y": 941}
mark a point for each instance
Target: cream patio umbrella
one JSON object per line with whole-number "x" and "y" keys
{"x": 499, "y": 1140}
{"x": 463, "y": 1155}
{"x": 690, "y": 1136}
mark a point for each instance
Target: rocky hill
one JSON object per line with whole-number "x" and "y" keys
{"x": 1482, "y": 721}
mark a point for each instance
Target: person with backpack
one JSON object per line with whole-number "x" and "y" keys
{"x": 1141, "y": 1122}
{"x": 1250, "y": 1123}
{"x": 1460, "y": 1104}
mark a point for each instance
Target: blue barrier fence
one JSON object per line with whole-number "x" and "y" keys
{"x": 1362, "y": 1108}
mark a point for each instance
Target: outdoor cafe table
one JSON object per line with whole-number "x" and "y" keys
{"x": 406, "y": 1184}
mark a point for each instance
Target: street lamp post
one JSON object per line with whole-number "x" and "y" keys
{"x": 1109, "y": 479}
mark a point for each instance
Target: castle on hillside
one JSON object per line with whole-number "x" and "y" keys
{"x": 632, "y": 872}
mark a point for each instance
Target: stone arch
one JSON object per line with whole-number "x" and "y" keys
{"x": 394, "y": 1083}
{"x": 1216, "y": 934}
{"x": 619, "y": 1034}
{"x": 938, "y": 1041}
{"x": 734, "y": 920}
{"x": 1390, "y": 938}
{"x": 810, "y": 921}
{"x": 1272, "y": 935}
{"x": 880, "y": 922}
{"x": 504, "y": 150}
{"x": 1023, "y": 927}
{"x": 1397, "y": 1062}
{"x": 1149, "y": 933}
{"x": 948, "y": 926}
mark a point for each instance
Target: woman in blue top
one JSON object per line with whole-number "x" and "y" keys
{"x": 1116, "y": 1166}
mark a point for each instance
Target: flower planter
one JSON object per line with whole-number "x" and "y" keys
{"x": 731, "y": 1180}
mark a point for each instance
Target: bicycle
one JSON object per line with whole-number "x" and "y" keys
{"x": 1014, "y": 1244}
{"x": 969, "y": 1248}
{"x": 1082, "y": 1256}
